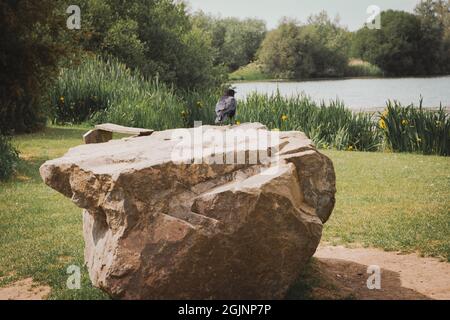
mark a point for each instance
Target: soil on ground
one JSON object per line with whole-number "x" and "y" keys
{"x": 344, "y": 275}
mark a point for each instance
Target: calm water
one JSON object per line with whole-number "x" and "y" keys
{"x": 361, "y": 93}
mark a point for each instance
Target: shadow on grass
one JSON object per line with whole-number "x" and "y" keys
{"x": 29, "y": 169}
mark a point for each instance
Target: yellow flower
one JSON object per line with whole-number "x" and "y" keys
{"x": 350, "y": 148}
{"x": 284, "y": 117}
{"x": 382, "y": 124}
{"x": 61, "y": 99}
{"x": 238, "y": 122}
{"x": 405, "y": 122}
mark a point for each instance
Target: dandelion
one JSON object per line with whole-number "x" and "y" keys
{"x": 238, "y": 122}
{"x": 405, "y": 123}
{"x": 382, "y": 124}
{"x": 61, "y": 99}
{"x": 284, "y": 117}
{"x": 350, "y": 148}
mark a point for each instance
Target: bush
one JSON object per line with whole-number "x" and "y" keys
{"x": 236, "y": 41}
{"x": 9, "y": 157}
{"x": 317, "y": 49}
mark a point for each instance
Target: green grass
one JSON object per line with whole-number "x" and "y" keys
{"x": 40, "y": 230}
{"x": 385, "y": 200}
{"x": 251, "y": 72}
{"x": 392, "y": 201}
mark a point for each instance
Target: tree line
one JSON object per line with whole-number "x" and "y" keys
{"x": 407, "y": 44}
{"x": 162, "y": 40}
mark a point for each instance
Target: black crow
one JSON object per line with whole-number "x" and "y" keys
{"x": 226, "y": 107}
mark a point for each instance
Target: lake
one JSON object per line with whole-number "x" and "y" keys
{"x": 361, "y": 94}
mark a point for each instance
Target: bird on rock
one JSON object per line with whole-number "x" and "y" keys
{"x": 226, "y": 107}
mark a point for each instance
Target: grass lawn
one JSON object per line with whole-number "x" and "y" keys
{"x": 391, "y": 201}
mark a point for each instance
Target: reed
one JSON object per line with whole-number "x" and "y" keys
{"x": 107, "y": 91}
{"x": 415, "y": 129}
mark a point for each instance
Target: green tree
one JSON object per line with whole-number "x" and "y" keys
{"x": 406, "y": 44}
{"x": 236, "y": 41}
{"x": 155, "y": 36}
{"x": 435, "y": 24}
{"x": 316, "y": 49}
{"x": 33, "y": 39}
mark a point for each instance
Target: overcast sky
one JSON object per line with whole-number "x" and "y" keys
{"x": 352, "y": 12}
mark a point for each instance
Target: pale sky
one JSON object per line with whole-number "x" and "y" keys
{"x": 352, "y": 12}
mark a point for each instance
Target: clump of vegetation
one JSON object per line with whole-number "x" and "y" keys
{"x": 108, "y": 91}
{"x": 412, "y": 129}
{"x": 360, "y": 68}
{"x": 329, "y": 126}
{"x": 406, "y": 43}
{"x": 158, "y": 38}
{"x": 296, "y": 51}
{"x": 236, "y": 41}
{"x": 251, "y": 72}
{"x": 9, "y": 157}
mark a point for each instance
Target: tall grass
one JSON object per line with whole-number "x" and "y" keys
{"x": 107, "y": 91}
{"x": 413, "y": 129}
{"x": 329, "y": 126}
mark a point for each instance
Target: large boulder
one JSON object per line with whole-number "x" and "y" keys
{"x": 185, "y": 214}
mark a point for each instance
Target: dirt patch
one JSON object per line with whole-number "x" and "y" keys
{"x": 403, "y": 277}
{"x": 24, "y": 290}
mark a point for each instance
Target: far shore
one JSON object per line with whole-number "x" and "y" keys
{"x": 231, "y": 80}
